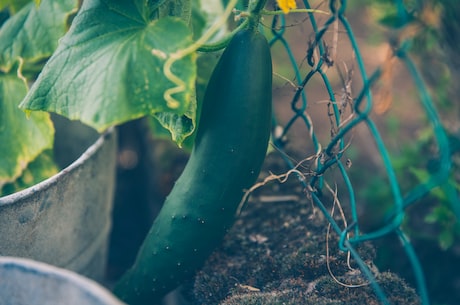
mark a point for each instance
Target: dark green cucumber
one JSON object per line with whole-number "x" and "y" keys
{"x": 230, "y": 147}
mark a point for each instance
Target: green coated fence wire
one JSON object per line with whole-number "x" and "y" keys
{"x": 332, "y": 154}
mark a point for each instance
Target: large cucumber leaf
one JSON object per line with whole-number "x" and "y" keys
{"x": 109, "y": 67}
{"x": 33, "y": 33}
{"x": 22, "y": 138}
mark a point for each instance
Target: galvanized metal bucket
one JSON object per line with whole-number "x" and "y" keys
{"x": 28, "y": 282}
{"x": 65, "y": 220}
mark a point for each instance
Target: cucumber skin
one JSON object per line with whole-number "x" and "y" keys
{"x": 229, "y": 150}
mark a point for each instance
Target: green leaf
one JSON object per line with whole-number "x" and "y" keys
{"x": 33, "y": 33}
{"x": 38, "y": 170}
{"x": 13, "y": 5}
{"x": 180, "y": 127}
{"x": 420, "y": 174}
{"x": 446, "y": 239}
{"x": 109, "y": 67}
{"x": 23, "y": 138}
{"x": 393, "y": 20}
{"x": 434, "y": 215}
{"x": 451, "y": 191}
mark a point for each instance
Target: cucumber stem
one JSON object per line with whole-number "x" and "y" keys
{"x": 255, "y": 9}
{"x": 219, "y": 45}
{"x": 256, "y": 6}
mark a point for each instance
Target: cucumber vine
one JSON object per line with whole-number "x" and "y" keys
{"x": 251, "y": 20}
{"x": 173, "y": 57}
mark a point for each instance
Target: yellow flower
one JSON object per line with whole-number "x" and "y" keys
{"x": 286, "y": 5}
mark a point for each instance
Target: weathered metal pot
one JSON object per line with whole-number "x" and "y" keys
{"x": 28, "y": 282}
{"x": 65, "y": 220}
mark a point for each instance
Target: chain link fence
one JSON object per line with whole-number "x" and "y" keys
{"x": 335, "y": 99}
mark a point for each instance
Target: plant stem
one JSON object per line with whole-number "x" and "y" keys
{"x": 300, "y": 10}
{"x": 256, "y": 6}
{"x": 219, "y": 45}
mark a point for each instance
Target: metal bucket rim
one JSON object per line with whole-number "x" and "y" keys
{"x": 61, "y": 274}
{"x": 47, "y": 183}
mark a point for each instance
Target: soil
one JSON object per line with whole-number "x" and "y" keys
{"x": 276, "y": 253}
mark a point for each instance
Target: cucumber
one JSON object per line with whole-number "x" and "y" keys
{"x": 229, "y": 150}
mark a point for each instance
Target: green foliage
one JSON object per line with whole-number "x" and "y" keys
{"x": 32, "y": 34}
{"x": 392, "y": 18}
{"x": 117, "y": 54}
{"x": 413, "y": 166}
{"x": 22, "y": 138}
{"x": 13, "y": 5}
{"x": 204, "y": 14}
{"x": 116, "y": 51}
{"x": 419, "y": 23}
{"x": 449, "y": 227}
{"x": 444, "y": 214}
{"x": 27, "y": 39}
{"x": 38, "y": 170}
